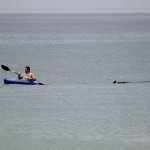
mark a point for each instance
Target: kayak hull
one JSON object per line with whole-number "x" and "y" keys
{"x": 18, "y": 81}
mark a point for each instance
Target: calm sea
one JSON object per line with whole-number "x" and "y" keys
{"x": 77, "y": 56}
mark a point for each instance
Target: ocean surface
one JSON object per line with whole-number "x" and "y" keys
{"x": 77, "y": 57}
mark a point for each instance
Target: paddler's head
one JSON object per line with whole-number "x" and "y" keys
{"x": 27, "y": 69}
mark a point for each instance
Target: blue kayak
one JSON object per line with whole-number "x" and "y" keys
{"x": 18, "y": 81}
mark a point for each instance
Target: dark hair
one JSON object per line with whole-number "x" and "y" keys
{"x": 27, "y": 67}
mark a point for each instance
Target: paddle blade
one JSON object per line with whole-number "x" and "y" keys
{"x": 41, "y": 83}
{"x": 5, "y": 68}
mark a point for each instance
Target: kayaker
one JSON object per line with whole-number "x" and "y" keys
{"x": 27, "y": 75}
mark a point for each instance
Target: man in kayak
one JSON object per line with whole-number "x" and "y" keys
{"x": 27, "y": 75}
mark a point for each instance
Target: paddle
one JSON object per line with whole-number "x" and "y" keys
{"x": 7, "y": 69}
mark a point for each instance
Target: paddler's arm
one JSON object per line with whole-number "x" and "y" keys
{"x": 33, "y": 78}
{"x": 20, "y": 76}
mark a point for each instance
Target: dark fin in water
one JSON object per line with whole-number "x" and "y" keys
{"x": 115, "y": 82}
{"x": 118, "y": 82}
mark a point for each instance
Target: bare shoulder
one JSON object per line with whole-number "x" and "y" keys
{"x": 32, "y": 74}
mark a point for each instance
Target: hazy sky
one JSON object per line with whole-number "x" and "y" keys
{"x": 74, "y": 5}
